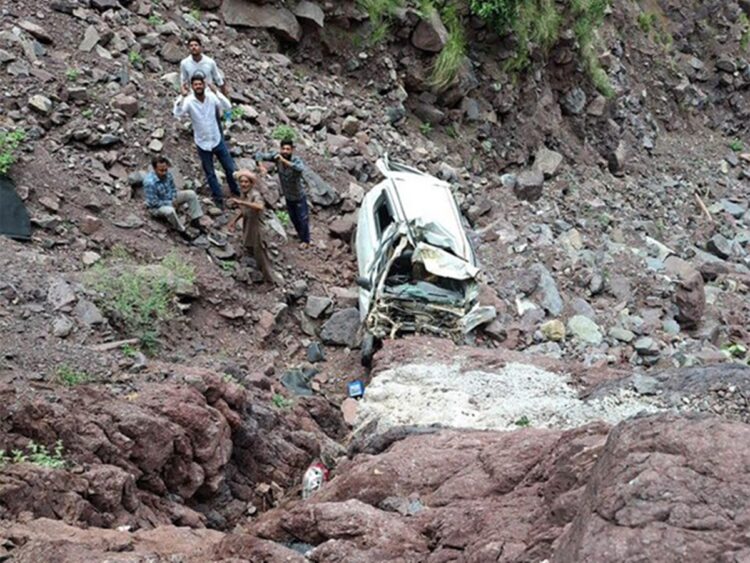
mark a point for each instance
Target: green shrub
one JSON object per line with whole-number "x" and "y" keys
{"x": 451, "y": 57}
{"x": 141, "y": 298}
{"x": 71, "y": 377}
{"x": 745, "y": 33}
{"x": 736, "y": 145}
{"x": 425, "y": 128}
{"x": 72, "y": 74}
{"x": 280, "y": 402}
{"x": 283, "y": 217}
{"x": 155, "y": 20}
{"x": 37, "y": 454}
{"x": 135, "y": 58}
{"x": 284, "y": 133}
{"x": 646, "y": 21}
{"x": 379, "y": 12}
{"x": 237, "y": 113}
{"x": 10, "y": 141}
{"x": 538, "y": 22}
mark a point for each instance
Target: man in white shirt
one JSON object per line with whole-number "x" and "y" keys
{"x": 198, "y": 62}
{"x": 203, "y": 106}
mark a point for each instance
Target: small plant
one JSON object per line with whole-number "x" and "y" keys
{"x": 237, "y": 113}
{"x": 451, "y": 131}
{"x": 72, "y": 74}
{"x": 88, "y": 113}
{"x": 745, "y": 35}
{"x": 425, "y": 128}
{"x": 523, "y": 422}
{"x": 281, "y": 402}
{"x": 379, "y": 13}
{"x": 135, "y": 58}
{"x": 140, "y": 298}
{"x": 736, "y": 145}
{"x": 227, "y": 265}
{"x": 735, "y": 350}
{"x": 71, "y": 377}
{"x": 10, "y": 141}
{"x": 229, "y": 378}
{"x": 155, "y": 20}
{"x": 129, "y": 351}
{"x": 195, "y": 13}
{"x": 37, "y": 454}
{"x": 284, "y": 133}
{"x": 646, "y": 21}
{"x": 283, "y": 217}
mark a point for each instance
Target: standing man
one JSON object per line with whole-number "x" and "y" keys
{"x": 163, "y": 199}
{"x": 198, "y": 62}
{"x": 290, "y": 168}
{"x": 203, "y": 106}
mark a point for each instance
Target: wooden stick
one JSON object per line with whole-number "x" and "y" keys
{"x": 703, "y": 206}
{"x": 107, "y": 346}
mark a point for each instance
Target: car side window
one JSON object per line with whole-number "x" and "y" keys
{"x": 383, "y": 215}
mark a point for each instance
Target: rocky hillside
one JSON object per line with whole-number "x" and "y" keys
{"x": 152, "y": 384}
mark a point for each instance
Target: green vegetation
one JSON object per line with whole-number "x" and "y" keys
{"x": 10, "y": 141}
{"x": 538, "y": 23}
{"x": 283, "y": 217}
{"x": 71, "y": 377}
{"x": 452, "y": 56}
{"x": 227, "y": 265}
{"x": 745, "y": 36}
{"x": 451, "y": 131}
{"x": 646, "y": 21}
{"x": 281, "y": 402}
{"x": 195, "y": 13}
{"x": 135, "y": 58}
{"x": 284, "y": 133}
{"x": 736, "y": 145}
{"x": 155, "y": 19}
{"x": 735, "y": 350}
{"x": 129, "y": 351}
{"x": 523, "y": 422}
{"x": 237, "y": 113}
{"x": 72, "y": 74}
{"x": 425, "y": 128}
{"x": 379, "y": 13}
{"x": 88, "y": 113}
{"x": 141, "y": 298}
{"x": 37, "y": 454}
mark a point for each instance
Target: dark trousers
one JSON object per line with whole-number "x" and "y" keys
{"x": 227, "y": 163}
{"x": 299, "y": 214}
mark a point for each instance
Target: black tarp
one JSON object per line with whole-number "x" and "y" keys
{"x": 14, "y": 219}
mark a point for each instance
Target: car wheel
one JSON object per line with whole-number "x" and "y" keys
{"x": 368, "y": 349}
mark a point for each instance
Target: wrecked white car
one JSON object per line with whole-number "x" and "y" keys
{"x": 417, "y": 270}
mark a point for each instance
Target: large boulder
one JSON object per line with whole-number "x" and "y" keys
{"x": 430, "y": 34}
{"x": 342, "y": 328}
{"x": 244, "y": 14}
{"x": 310, "y": 11}
{"x": 319, "y": 191}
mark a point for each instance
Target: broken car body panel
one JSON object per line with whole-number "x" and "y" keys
{"x": 412, "y": 250}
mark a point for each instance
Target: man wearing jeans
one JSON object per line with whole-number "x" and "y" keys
{"x": 163, "y": 199}
{"x": 203, "y": 108}
{"x": 290, "y": 168}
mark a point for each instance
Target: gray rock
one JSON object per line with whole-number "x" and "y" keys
{"x": 617, "y": 160}
{"x": 529, "y": 185}
{"x": 719, "y": 246}
{"x": 130, "y": 221}
{"x": 36, "y": 31}
{"x": 126, "y": 104}
{"x": 316, "y": 306}
{"x": 88, "y": 313}
{"x": 621, "y": 334}
{"x": 315, "y": 353}
{"x": 726, "y": 64}
{"x": 547, "y": 161}
{"x": 350, "y": 126}
{"x": 310, "y": 11}
{"x": 585, "y": 330}
{"x": 91, "y": 38}
{"x": 62, "y": 327}
{"x": 40, "y": 104}
{"x": 646, "y": 346}
{"x": 549, "y": 296}
{"x": 580, "y": 306}
{"x": 320, "y": 192}
{"x": 428, "y": 113}
{"x": 298, "y": 289}
{"x": 104, "y": 5}
{"x": 243, "y": 14}
{"x": 342, "y": 329}
{"x": 430, "y": 34}
{"x": 734, "y": 209}
{"x": 509, "y": 181}
{"x": 60, "y": 294}
{"x": 574, "y": 101}
{"x": 172, "y": 53}
{"x": 644, "y": 384}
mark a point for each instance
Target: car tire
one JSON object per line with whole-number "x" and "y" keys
{"x": 368, "y": 349}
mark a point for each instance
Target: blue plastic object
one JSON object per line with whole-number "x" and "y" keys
{"x": 356, "y": 389}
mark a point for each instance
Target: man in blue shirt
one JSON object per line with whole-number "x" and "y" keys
{"x": 163, "y": 199}
{"x": 290, "y": 168}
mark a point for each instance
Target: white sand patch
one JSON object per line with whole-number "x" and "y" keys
{"x": 424, "y": 394}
